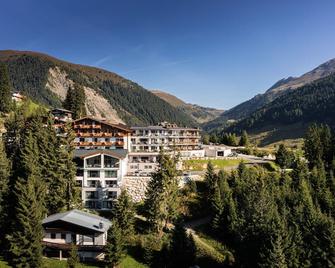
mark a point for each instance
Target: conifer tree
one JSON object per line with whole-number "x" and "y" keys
{"x": 244, "y": 140}
{"x": 182, "y": 247}
{"x": 25, "y": 239}
{"x": 124, "y": 214}
{"x": 75, "y": 101}
{"x": 30, "y": 190}
{"x": 275, "y": 257}
{"x": 115, "y": 245}
{"x": 284, "y": 158}
{"x": 217, "y": 208}
{"x": 5, "y": 89}
{"x": 72, "y": 192}
{"x": 73, "y": 259}
{"x": 210, "y": 183}
{"x": 52, "y": 170}
{"x": 4, "y": 188}
{"x": 162, "y": 196}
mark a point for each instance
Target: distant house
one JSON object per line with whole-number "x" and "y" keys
{"x": 217, "y": 151}
{"x": 62, "y": 115}
{"x": 87, "y": 231}
{"x": 17, "y": 97}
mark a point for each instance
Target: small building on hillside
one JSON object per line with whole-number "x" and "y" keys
{"x": 217, "y": 151}
{"x": 62, "y": 115}
{"x": 17, "y": 97}
{"x": 87, "y": 231}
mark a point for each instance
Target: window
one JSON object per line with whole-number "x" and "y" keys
{"x": 79, "y": 183}
{"x": 107, "y": 204}
{"x": 112, "y": 194}
{"x": 91, "y": 204}
{"x": 94, "y": 174}
{"x": 91, "y": 195}
{"x": 87, "y": 238}
{"x": 110, "y": 162}
{"x": 110, "y": 174}
{"x": 53, "y": 236}
{"x": 63, "y": 236}
{"x": 94, "y": 161}
{"x": 111, "y": 183}
{"x": 80, "y": 173}
{"x": 81, "y": 139}
{"x": 93, "y": 183}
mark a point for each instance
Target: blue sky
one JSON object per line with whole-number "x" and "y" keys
{"x": 211, "y": 52}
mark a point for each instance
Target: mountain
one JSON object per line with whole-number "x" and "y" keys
{"x": 289, "y": 115}
{"x": 281, "y": 87}
{"x": 198, "y": 113}
{"x": 46, "y": 80}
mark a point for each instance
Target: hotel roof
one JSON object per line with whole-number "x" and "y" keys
{"x": 80, "y": 218}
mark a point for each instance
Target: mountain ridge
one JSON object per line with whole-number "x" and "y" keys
{"x": 278, "y": 89}
{"x": 46, "y": 79}
{"x": 199, "y": 113}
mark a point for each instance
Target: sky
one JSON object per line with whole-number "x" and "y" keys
{"x": 215, "y": 53}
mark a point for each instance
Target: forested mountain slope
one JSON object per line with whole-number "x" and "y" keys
{"x": 280, "y": 88}
{"x": 198, "y": 113}
{"x": 294, "y": 111}
{"x": 46, "y": 79}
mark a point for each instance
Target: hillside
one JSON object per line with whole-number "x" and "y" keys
{"x": 46, "y": 79}
{"x": 289, "y": 115}
{"x": 280, "y": 88}
{"x": 198, "y": 113}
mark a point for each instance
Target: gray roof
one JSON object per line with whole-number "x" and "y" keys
{"x": 117, "y": 153}
{"x": 80, "y": 218}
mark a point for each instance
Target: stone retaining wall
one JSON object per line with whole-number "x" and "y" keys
{"x": 136, "y": 187}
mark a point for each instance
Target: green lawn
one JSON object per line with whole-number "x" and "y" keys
{"x": 201, "y": 164}
{"x": 127, "y": 262}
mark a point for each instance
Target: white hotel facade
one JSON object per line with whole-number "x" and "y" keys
{"x": 111, "y": 156}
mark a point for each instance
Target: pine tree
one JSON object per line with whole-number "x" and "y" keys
{"x": 75, "y": 101}
{"x": 244, "y": 140}
{"x": 4, "y": 188}
{"x": 217, "y": 208}
{"x": 284, "y": 158}
{"x": 275, "y": 257}
{"x": 115, "y": 245}
{"x": 25, "y": 240}
{"x": 162, "y": 197}
{"x": 210, "y": 183}
{"x": 5, "y": 89}
{"x": 182, "y": 248}
{"x": 73, "y": 259}
{"x": 51, "y": 158}
{"x": 30, "y": 190}
{"x": 72, "y": 192}
{"x": 124, "y": 214}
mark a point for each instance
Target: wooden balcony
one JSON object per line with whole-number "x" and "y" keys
{"x": 81, "y": 126}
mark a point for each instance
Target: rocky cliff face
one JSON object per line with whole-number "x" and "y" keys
{"x": 96, "y": 105}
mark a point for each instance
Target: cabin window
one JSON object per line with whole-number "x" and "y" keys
{"x": 93, "y": 183}
{"x": 111, "y": 183}
{"x": 94, "y": 174}
{"x": 110, "y": 162}
{"x": 93, "y": 162}
{"x": 110, "y": 174}
{"x": 91, "y": 195}
{"x": 53, "y": 236}
{"x": 63, "y": 236}
{"x": 112, "y": 194}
